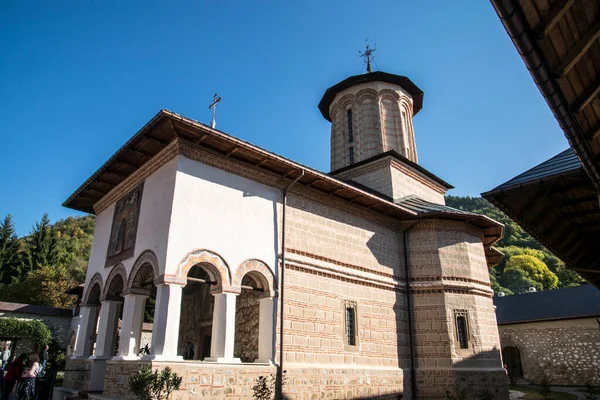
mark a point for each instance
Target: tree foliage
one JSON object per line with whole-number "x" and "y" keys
{"x": 39, "y": 268}
{"x": 550, "y": 274}
{"x": 35, "y": 330}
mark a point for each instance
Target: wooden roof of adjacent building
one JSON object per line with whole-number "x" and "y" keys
{"x": 557, "y": 203}
{"x": 558, "y": 40}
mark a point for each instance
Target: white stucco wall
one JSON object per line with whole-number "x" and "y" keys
{"x": 227, "y": 214}
{"x": 153, "y": 224}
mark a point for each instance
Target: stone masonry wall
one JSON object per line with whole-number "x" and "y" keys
{"x": 246, "y": 326}
{"x": 567, "y": 352}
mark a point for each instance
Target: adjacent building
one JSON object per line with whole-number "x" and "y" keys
{"x": 552, "y": 335}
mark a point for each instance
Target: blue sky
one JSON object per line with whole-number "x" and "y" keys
{"x": 78, "y": 78}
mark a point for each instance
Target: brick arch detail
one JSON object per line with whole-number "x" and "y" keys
{"x": 364, "y": 94}
{"x": 260, "y": 270}
{"x": 147, "y": 257}
{"x": 96, "y": 280}
{"x": 389, "y": 94}
{"x": 346, "y": 101}
{"x": 215, "y": 266}
{"x": 117, "y": 270}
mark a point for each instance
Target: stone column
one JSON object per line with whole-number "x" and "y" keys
{"x": 87, "y": 331}
{"x": 107, "y": 329}
{"x": 265, "y": 330}
{"x": 165, "y": 331}
{"x": 131, "y": 325}
{"x": 223, "y": 329}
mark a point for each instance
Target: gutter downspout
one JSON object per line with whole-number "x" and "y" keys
{"x": 279, "y": 378}
{"x": 413, "y": 372}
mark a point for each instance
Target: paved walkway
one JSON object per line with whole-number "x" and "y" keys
{"x": 515, "y": 395}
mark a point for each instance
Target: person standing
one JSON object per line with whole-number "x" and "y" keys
{"x": 43, "y": 356}
{"x": 5, "y": 356}
{"x": 26, "y": 388}
{"x": 15, "y": 370}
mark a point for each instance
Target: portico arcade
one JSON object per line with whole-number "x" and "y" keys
{"x": 202, "y": 276}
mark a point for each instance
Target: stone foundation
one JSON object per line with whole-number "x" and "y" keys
{"x": 432, "y": 384}
{"x": 78, "y": 374}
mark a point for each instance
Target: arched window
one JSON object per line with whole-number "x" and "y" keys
{"x": 350, "y": 133}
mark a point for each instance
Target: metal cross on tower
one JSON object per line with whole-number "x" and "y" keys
{"x": 213, "y": 107}
{"x": 367, "y": 55}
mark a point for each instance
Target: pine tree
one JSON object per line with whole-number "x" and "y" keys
{"x": 43, "y": 247}
{"x": 9, "y": 250}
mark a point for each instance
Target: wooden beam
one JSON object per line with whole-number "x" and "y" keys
{"x": 142, "y": 152}
{"x": 580, "y": 48}
{"x": 587, "y": 97}
{"x": 202, "y": 138}
{"x": 592, "y": 133}
{"x": 100, "y": 179}
{"x": 574, "y": 202}
{"x": 552, "y": 17}
{"x": 157, "y": 140}
{"x": 125, "y": 162}
{"x": 580, "y": 184}
{"x": 313, "y": 182}
{"x": 352, "y": 200}
{"x": 579, "y": 214}
{"x": 543, "y": 213}
{"x": 232, "y": 152}
{"x": 117, "y": 173}
{"x": 262, "y": 162}
{"x": 591, "y": 271}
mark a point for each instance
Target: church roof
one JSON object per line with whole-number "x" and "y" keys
{"x": 167, "y": 127}
{"x": 574, "y": 302}
{"x": 377, "y": 76}
{"x": 399, "y": 157}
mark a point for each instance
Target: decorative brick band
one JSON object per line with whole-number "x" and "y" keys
{"x": 343, "y": 264}
{"x": 311, "y": 271}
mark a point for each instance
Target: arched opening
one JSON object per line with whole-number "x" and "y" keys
{"x": 250, "y": 325}
{"x": 137, "y": 311}
{"x": 93, "y": 301}
{"x": 113, "y": 314}
{"x": 197, "y": 307}
{"x": 512, "y": 362}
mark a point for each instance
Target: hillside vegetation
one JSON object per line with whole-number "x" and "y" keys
{"x": 39, "y": 268}
{"x": 526, "y": 262}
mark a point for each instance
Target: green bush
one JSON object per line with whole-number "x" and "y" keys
{"x": 154, "y": 385}
{"x": 35, "y": 330}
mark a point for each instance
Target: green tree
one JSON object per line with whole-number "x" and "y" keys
{"x": 518, "y": 281}
{"x": 497, "y": 288}
{"x": 534, "y": 268}
{"x": 9, "y": 250}
{"x": 44, "y": 286}
{"x": 42, "y": 247}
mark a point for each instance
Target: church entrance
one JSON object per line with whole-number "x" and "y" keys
{"x": 197, "y": 305}
{"x": 512, "y": 361}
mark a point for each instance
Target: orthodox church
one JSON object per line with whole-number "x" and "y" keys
{"x": 358, "y": 283}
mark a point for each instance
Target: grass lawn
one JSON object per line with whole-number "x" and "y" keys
{"x": 532, "y": 393}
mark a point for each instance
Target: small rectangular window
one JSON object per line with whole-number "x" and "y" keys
{"x": 351, "y": 155}
{"x": 351, "y": 326}
{"x": 350, "y": 135}
{"x": 462, "y": 329}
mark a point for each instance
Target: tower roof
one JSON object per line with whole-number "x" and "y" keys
{"x": 378, "y": 76}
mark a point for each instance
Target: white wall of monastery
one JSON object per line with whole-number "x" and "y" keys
{"x": 153, "y": 223}
{"x": 225, "y": 213}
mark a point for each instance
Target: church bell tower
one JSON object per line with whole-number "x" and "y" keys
{"x": 371, "y": 114}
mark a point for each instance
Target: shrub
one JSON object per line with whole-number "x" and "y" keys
{"x": 264, "y": 386}
{"x": 35, "y": 330}
{"x": 154, "y": 385}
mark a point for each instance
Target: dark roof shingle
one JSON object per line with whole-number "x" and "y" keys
{"x": 573, "y": 302}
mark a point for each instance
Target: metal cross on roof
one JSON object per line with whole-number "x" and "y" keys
{"x": 213, "y": 107}
{"x": 367, "y": 55}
